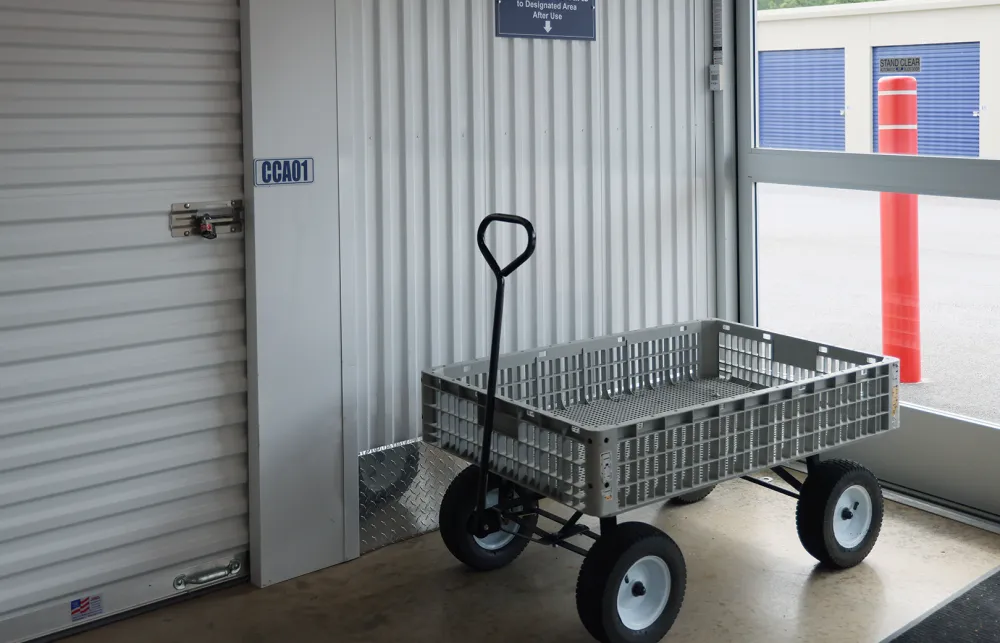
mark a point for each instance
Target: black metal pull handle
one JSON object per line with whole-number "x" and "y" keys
{"x": 483, "y": 525}
{"x": 524, "y": 256}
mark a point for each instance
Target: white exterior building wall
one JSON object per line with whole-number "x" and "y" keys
{"x": 860, "y": 27}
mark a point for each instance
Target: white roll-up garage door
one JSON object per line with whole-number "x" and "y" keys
{"x": 123, "y": 438}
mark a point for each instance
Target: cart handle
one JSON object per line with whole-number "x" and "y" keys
{"x": 482, "y": 526}
{"x": 490, "y": 259}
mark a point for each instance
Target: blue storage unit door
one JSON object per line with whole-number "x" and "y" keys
{"x": 801, "y": 99}
{"x": 947, "y": 96}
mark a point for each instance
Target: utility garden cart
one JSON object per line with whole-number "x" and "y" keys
{"x": 607, "y": 425}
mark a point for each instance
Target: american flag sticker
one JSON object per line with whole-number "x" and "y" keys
{"x": 86, "y": 607}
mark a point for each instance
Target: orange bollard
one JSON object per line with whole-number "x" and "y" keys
{"x": 897, "y": 134}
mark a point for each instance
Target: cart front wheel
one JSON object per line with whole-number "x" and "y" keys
{"x": 458, "y": 508}
{"x": 839, "y": 514}
{"x": 631, "y": 585}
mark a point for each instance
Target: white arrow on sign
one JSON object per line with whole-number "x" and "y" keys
{"x": 548, "y": 26}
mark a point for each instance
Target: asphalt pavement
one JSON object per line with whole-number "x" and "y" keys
{"x": 820, "y": 277}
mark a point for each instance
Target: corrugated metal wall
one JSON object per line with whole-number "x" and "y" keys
{"x": 122, "y": 351}
{"x": 606, "y": 147}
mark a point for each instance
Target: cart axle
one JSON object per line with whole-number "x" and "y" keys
{"x": 791, "y": 480}
{"x": 569, "y": 529}
{"x": 772, "y": 487}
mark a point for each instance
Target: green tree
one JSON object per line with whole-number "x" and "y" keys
{"x": 791, "y": 4}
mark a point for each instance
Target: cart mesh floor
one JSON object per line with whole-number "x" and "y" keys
{"x": 648, "y": 402}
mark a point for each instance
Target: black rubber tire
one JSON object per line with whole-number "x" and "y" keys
{"x": 373, "y": 497}
{"x": 693, "y": 497}
{"x": 457, "y": 509}
{"x": 604, "y": 568}
{"x": 814, "y": 515}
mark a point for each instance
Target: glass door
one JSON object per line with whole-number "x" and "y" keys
{"x": 869, "y": 215}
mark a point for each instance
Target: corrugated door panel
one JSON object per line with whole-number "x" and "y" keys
{"x": 39, "y": 139}
{"x": 605, "y": 146}
{"x": 801, "y": 99}
{"x": 41, "y": 30}
{"x": 88, "y": 29}
{"x": 123, "y": 445}
{"x": 67, "y": 407}
{"x": 124, "y": 496}
{"x": 138, "y": 557}
{"x": 947, "y": 96}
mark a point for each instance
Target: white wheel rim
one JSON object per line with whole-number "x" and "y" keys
{"x": 643, "y": 593}
{"x": 852, "y": 518}
{"x": 508, "y": 528}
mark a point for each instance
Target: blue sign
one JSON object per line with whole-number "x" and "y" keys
{"x": 555, "y": 19}
{"x": 268, "y": 172}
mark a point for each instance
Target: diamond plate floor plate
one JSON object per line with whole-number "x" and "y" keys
{"x": 401, "y": 489}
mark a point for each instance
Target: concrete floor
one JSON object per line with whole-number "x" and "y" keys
{"x": 749, "y": 580}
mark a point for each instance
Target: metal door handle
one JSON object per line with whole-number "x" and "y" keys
{"x": 207, "y": 576}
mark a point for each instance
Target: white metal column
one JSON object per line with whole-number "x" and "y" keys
{"x": 123, "y": 445}
{"x": 303, "y": 487}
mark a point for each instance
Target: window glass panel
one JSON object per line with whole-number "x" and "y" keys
{"x": 820, "y": 275}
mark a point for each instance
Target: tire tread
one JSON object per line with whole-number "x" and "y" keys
{"x": 598, "y": 566}
{"x": 693, "y": 497}
{"x": 810, "y": 518}
{"x": 459, "y": 500}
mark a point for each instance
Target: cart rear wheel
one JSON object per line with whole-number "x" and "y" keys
{"x": 631, "y": 585}
{"x": 839, "y": 514}
{"x": 494, "y": 550}
{"x": 693, "y": 497}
